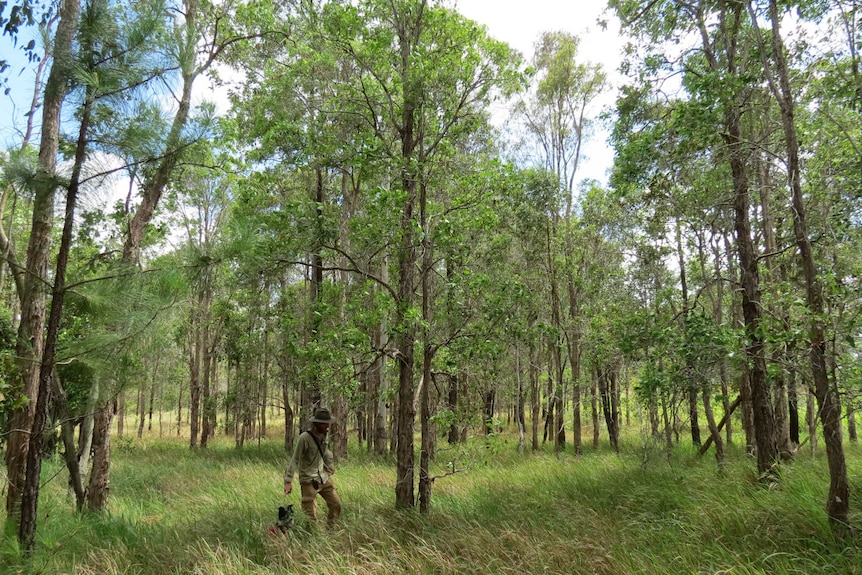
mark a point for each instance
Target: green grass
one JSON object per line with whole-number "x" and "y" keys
{"x": 176, "y": 511}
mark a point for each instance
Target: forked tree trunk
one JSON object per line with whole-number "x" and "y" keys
{"x": 607, "y": 381}
{"x": 714, "y": 430}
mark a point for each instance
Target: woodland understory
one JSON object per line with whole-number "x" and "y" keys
{"x": 345, "y": 220}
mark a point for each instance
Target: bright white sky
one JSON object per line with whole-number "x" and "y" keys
{"x": 519, "y": 23}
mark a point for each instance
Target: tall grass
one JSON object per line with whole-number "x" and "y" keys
{"x": 644, "y": 511}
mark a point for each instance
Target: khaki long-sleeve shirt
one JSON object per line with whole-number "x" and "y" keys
{"x": 308, "y": 462}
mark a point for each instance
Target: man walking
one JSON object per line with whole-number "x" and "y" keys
{"x": 313, "y": 460}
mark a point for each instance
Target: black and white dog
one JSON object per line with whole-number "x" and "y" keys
{"x": 285, "y": 520}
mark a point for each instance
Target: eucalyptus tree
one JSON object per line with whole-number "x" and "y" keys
{"x": 828, "y": 114}
{"x": 425, "y": 75}
{"x": 534, "y": 209}
{"x": 777, "y": 72}
{"x": 201, "y": 201}
{"x": 662, "y": 169}
{"x": 558, "y": 117}
{"x": 600, "y": 231}
{"x": 720, "y": 33}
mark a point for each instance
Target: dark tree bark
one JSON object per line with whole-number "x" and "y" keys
{"x": 608, "y": 390}
{"x": 31, "y": 335}
{"x": 838, "y": 502}
{"x": 731, "y": 22}
{"x": 97, "y": 489}
{"x": 30, "y": 496}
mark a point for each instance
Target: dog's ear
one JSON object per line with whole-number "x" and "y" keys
{"x": 282, "y": 512}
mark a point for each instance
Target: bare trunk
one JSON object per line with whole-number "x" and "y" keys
{"x": 838, "y": 501}
{"x": 33, "y": 307}
{"x": 811, "y": 420}
{"x": 121, "y": 412}
{"x": 97, "y": 490}
{"x": 714, "y": 430}
{"x": 195, "y": 357}
{"x": 764, "y": 419}
{"x": 533, "y": 369}
{"x": 594, "y": 404}
{"x": 85, "y": 436}
{"x": 381, "y": 434}
{"x": 607, "y": 381}
{"x": 32, "y": 480}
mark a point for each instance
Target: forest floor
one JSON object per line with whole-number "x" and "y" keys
{"x": 644, "y": 511}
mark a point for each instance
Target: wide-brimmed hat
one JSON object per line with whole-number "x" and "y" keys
{"x": 322, "y": 415}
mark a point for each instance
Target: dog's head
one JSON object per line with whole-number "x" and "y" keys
{"x": 285, "y": 517}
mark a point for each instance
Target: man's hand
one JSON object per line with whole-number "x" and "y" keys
{"x": 288, "y": 487}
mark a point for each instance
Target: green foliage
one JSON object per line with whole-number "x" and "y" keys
{"x": 175, "y": 510}
{"x": 9, "y": 400}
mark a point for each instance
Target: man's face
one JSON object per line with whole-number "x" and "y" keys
{"x": 321, "y": 428}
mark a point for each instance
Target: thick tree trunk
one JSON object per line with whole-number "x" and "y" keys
{"x": 85, "y": 435}
{"x": 404, "y": 488}
{"x": 97, "y": 490}
{"x": 33, "y": 307}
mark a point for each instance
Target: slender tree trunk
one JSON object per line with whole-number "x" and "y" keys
{"x": 519, "y": 402}
{"x": 381, "y": 421}
{"x": 30, "y": 496}
{"x": 714, "y": 430}
{"x": 838, "y": 502}
{"x": 764, "y": 419}
{"x": 594, "y": 399}
{"x": 141, "y": 409}
{"x": 811, "y": 420}
{"x": 535, "y": 401}
{"x": 793, "y": 407}
{"x": 121, "y": 412}
{"x": 196, "y": 347}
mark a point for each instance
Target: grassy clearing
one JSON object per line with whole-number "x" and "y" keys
{"x": 173, "y": 511}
